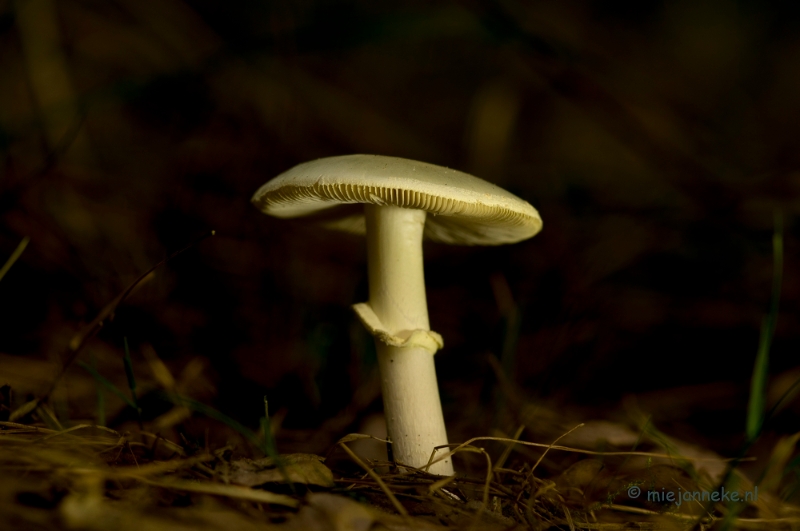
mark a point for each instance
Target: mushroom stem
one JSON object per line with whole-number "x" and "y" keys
{"x": 397, "y": 296}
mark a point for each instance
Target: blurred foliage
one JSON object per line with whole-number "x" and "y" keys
{"x": 657, "y": 143}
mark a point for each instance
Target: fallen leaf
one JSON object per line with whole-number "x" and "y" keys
{"x": 306, "y": 469}
{"x": 329, "y": 512}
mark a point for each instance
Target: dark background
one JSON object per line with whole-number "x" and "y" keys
{"x": 658, "y": 145}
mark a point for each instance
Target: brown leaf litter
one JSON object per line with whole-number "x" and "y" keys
{"x": 92, "y": 478}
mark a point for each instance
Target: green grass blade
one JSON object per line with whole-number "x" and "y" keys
{"x": 101, "y": 407}
{"x": 266, "y": 428}
{"x": 101, "y": 397}
{"x": 270, "y": 447}
{"x": 99, "y": 378}
{"x": 787, "y": 396}
{"x": 758, "y": 385}
{"x": 210, "y": 412}
{"x": 14, "y": 256}
{"x": 131, "y": 380}
{"x": 777, "y": 270}
{"x": 129, "y": 370}
{"x": 792, "y": 489}
{"x": 48, "y": 417}
{"x": 756, "y": 408}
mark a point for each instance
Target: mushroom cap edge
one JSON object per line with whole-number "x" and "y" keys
{"x": 464, "y": 209}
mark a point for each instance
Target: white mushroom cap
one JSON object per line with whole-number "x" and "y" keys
{"x": 464, "y": 209}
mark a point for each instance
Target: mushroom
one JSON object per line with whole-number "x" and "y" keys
{"x": 398, "y": 195}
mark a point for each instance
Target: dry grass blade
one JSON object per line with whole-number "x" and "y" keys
{"x": 156, "y": 468}
{"x": 487, "y": 481}
{"x": 157, "y": 439}
{"x": 533, "y": 469}
{"x": 79, "y": 427}
{"x": 359, "y": 436}
{"x": 568, "y": 449}
{"x": 14, "y": 256}
{"x": 24, "y": 427}
{"x": 389, "y": 494}
{"x": 228, "y": 491}
{"x": 758, "y": 523}
{"x": 437, "y": 485}
{"x": 508, "y": 449}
